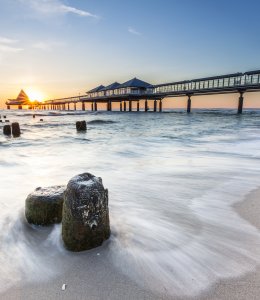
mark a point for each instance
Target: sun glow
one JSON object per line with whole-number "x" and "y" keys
{"x": 35, "y": 95}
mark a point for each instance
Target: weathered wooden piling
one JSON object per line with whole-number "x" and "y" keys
{"x": 7, "y": 130}
{"x": 44, "y": 205}
{"x": 85, "y": 221}
{"x": 16, "y": 129}
{"x": 81, "y": 125}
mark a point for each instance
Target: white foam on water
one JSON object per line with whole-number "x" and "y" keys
{"x": 208, "y": 243}
{"x": 172, "y": 181}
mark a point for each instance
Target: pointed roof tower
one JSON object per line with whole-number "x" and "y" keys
{"x": 22, "y": 97}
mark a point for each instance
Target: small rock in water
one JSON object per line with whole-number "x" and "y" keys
{"x": 81, "y": 125}
{"x": 44, "y": 205}
{"x": 7, "y": 130}
{"x": 64, "y": 286}
{"x": 41, "y": 120}
{"x": 6, "y": 121}
{"x": 34, "y": 116}
{"x": 85, "y": 220}
{"x": 4, "y": 117}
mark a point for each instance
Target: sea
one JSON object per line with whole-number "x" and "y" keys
{"x": 173, "y": 179}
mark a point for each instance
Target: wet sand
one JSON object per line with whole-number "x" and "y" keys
{"x": 92, "y": 275}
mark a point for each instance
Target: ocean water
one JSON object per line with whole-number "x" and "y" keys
{"x": 173, "y": 179}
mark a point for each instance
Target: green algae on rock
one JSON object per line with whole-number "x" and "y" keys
{"x": 85, "y": 221}
{"x": 44, "y": 205}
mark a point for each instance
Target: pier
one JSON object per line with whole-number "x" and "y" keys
{"x": 135, "y": 90}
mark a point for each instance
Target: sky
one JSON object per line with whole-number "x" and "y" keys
{"x": 60, "y": 48}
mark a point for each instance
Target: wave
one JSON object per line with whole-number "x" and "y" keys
{"x": 100, "y": 122}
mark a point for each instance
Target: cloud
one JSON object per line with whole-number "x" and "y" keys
{"x": 55, "y": 7}
{"x": 47, "y": 46}
{"x": 9, "y": 49}
{"x": 5, "y": 40}
{"x": 133, "y": 31}
{"x": 6, "y": 45}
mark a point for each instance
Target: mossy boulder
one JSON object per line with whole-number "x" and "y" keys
{"x": 44, "y": 205}
{"x": 85, "y": 221}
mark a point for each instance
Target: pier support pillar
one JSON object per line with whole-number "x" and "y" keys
{"x": 8, "y": 106}
{"x": 75, "y": 106}
{"x": 138, "y": 106}
{"x": 20, "y": 107}
{"x": 83, "y": 106}
{"x": 146, "y": 106}
{"x": 240, "y": 103}
{"x": 160, "y": 106}
{"x": 95, "y": 106}
{"x": 68, "y": 106}
{"x": 189, "y": 104}
{"x": 92, "y": 106}
{"x": 130, "y": 105}
{"x": 109, "y": 106}
{"x": 155, "y": 105}
{"x": 120, "y": 106}
{"x": 124, "y": 106}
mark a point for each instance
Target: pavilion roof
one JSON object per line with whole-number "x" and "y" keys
{"x": 135, "y": 82}
{"x": 96, "y": 89}
{"x": 111, "y": 86}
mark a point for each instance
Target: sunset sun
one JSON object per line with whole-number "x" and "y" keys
{"x": 35, "y": 95}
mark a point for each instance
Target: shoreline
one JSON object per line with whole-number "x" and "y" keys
{"x": 103, "y": 281}
{"x": 246, "y": 286}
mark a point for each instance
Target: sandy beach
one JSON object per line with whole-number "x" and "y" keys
{"x": 92, "y": 275}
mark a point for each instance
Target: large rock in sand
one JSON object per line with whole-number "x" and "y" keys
{"x": 85, "y": 221}
{"x": 44, "y": 205}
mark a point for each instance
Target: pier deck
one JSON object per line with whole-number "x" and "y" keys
{"x": 136, "y": 90}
